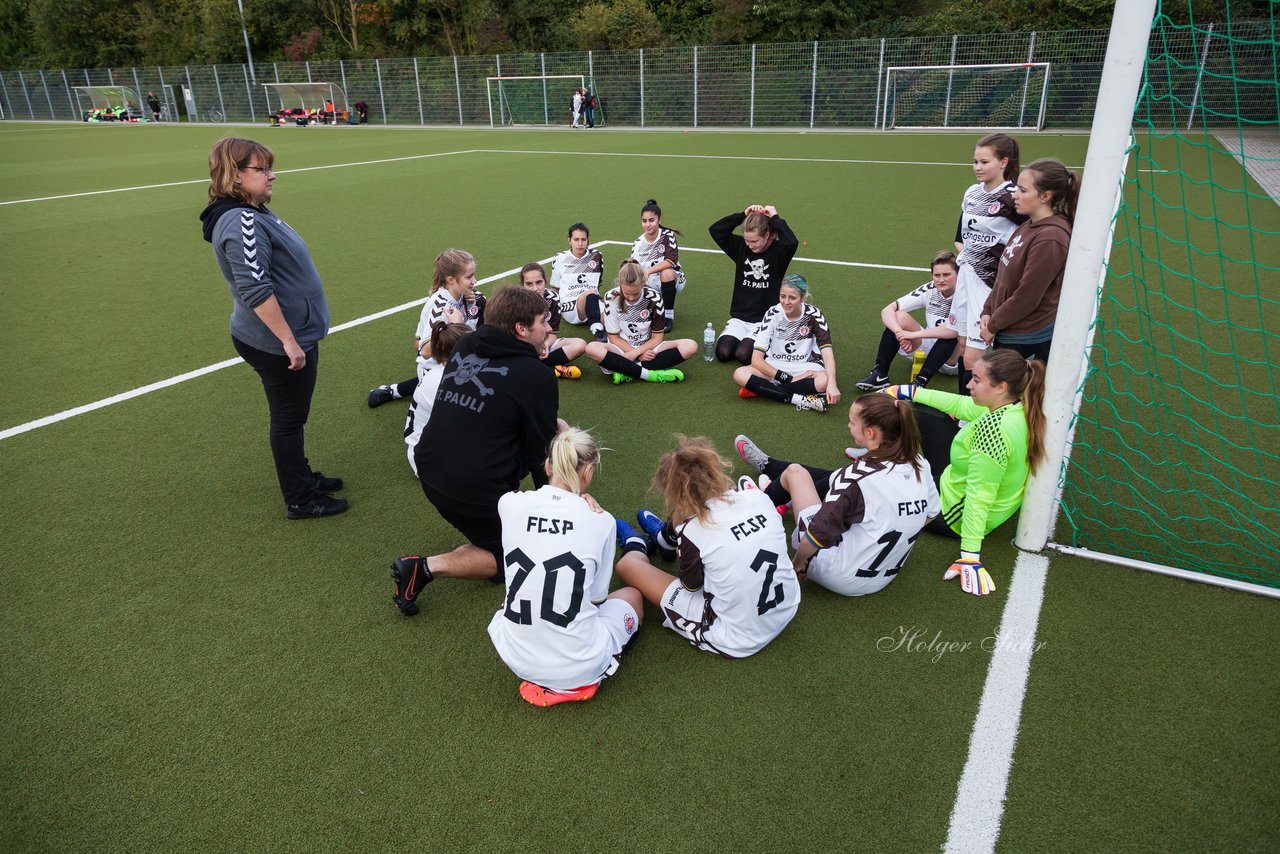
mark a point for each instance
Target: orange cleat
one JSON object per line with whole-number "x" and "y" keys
{"x": 568, "y": 372}
{"x": 538, "y": 696}
{"x": 744, "y": 394}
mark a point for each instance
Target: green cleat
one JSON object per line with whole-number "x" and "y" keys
{"x": 671, "y": 375}
{"x": 619, "y": 379}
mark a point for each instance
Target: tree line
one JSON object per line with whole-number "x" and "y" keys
{"x": 114, "y": 33}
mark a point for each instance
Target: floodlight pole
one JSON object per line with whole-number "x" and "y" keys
{"x": 1104, "y": 167}
{"x": 248, "y": 53}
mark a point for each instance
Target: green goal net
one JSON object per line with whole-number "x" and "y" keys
{"x": 1176, "y": 453}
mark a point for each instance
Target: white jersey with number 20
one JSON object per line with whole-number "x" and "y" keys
{"x": 558, "y": 557}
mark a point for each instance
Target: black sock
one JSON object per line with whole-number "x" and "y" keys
{"x": 964, "y": 375}
{"x": 406, "y": 388}
{"x": 746, "y": 349}
{"x": 615, "y": 362}
{"x": 669, "y": 296}
{"x": 668, "y": 358}
{"x": 556, "y": 357}
{"x": 767, "y": 389}
{"x": 884, "y": 355}
{"x": 942, "y": 350}
{"x": 593, "y": 309}
{"x": 726, "y": 348}
{"x": 804, "y": 387}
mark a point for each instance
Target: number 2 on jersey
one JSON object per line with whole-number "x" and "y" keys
{"x": 771, "y": 594}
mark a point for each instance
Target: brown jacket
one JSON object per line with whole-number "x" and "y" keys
{"x": 1028, "y": 283}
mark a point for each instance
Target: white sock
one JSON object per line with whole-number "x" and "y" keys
{"x": 395, "y": 391}
{"x": 644, "y": 373}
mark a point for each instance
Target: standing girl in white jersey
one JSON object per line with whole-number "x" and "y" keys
{"x": 736, "y": 590}
{"x": 659, "y": 256}
{"x": 453, "y": 299}
{"x": 636, "y": 348}
{"x": 575, "y": 277}
{"x": 987, "y": 218}
{"x": 559, "y": 628}
{"x": 855, "y": 527}
{"x": 793, "y": 360}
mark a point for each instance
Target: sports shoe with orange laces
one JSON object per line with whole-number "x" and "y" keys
{"x": 538, "y": 696}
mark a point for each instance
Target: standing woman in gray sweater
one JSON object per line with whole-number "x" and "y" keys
{"x": 279, "y": 312}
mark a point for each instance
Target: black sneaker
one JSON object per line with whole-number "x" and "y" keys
{"x": 601, "y": 335}
{"x": 325, "y": 484}
{"x": 380, "y": 395}
{"x": 410, "y": 575}
{"x": 666, "y": 327}
{"x": 321, "y": 505}
{"x": 873, "y": 382}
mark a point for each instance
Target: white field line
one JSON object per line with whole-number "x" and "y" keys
{"x": 206, "y": 180}
{"x": 19, "y": 429}
{"x": 797, "y": 258}
{"x": 490, "y": 151}
{"x": 980, "y": 796}
{"x": 208, "y": 369}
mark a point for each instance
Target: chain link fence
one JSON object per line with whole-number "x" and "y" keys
{"x": 836, "y": 84}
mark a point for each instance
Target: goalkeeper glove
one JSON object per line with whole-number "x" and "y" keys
{"x": 974, "y": 577}
{"x": 902, "y": 392}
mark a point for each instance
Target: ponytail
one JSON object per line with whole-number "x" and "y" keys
{"x": 1062, "y": 185}
{"x": 896, "y": 421}
{"x": 444, "y": 337}
{"x": 571, "y": 451}
{"x": 1032, "y": 395}
{"x": 1026, "y": 383}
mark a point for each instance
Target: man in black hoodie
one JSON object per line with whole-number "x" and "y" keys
{"x": 494, "y": 416}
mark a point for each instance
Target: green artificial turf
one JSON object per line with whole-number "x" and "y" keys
{"x": 185, "y": 670}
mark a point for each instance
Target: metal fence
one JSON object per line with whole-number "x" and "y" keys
{"x": 835, "y": 84}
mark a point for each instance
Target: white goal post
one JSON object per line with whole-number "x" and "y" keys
{"x": 1001, "y": 96}
{"x": 531, "y": 100}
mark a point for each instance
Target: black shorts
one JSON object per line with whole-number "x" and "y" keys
{"x": 482, "y": 530}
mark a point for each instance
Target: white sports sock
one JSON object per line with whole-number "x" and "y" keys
{"x": 644, "y": 373}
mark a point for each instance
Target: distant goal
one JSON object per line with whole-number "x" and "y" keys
{"x": 532, "y": 100}
{"x": 1010, "y": 96}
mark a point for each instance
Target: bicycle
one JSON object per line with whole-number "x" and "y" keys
{"x": 212, "y": 114}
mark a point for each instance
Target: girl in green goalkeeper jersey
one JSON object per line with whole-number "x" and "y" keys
{"x": 982, "y": 467}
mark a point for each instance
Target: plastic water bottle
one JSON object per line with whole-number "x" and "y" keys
{"x": 708, "y": 343}
{"x": 917, "y": 362}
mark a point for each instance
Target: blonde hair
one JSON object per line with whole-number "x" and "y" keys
{"x": 759, "y": 223}
{"x": 571, "y": 451}
{"x": 690, "y": 476}
{"x": 229, "y": 156}
{"x": 450, "y": 262}
{"x": 631, "y": 273}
